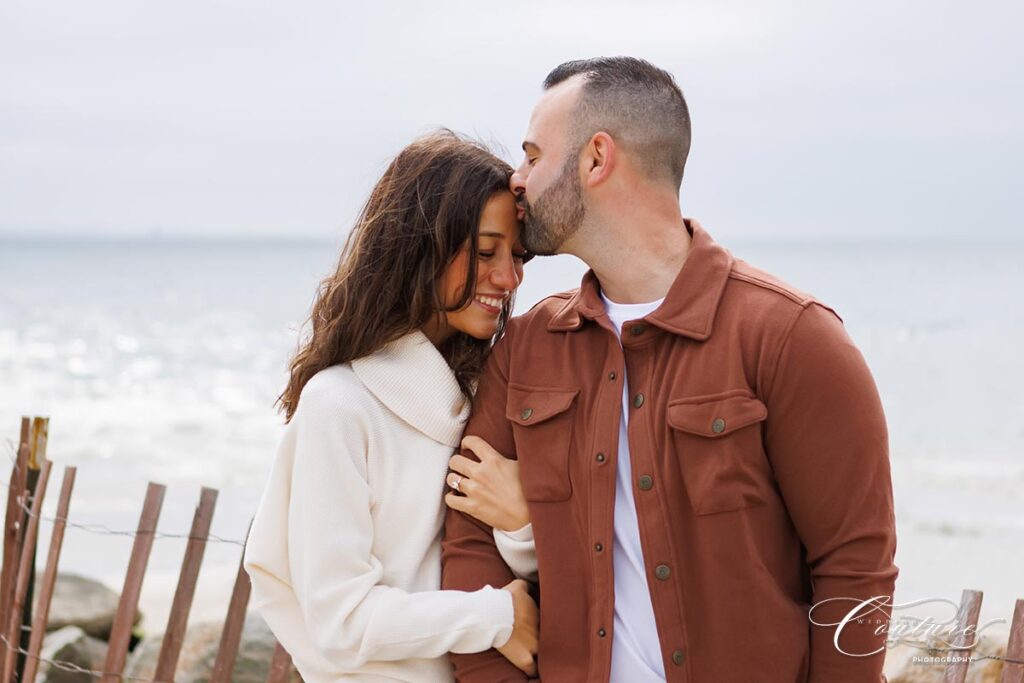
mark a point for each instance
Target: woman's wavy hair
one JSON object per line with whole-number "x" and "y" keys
{"x": 425, "y": 207}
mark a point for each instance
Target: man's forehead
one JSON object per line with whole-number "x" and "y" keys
{"x": 555, "y": 105}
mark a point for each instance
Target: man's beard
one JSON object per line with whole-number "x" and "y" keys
{"x": 557, "y": 214}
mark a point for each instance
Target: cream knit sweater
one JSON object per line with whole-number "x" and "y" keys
{"x": 344, "y": 550}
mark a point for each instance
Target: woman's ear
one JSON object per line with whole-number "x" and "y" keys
{"x": 598, "y": 159}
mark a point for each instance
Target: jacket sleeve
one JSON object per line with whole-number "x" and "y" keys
{"x": 469, "y": 556}
{"x": 336, "y": 586}
{"x": 827, "y": 442}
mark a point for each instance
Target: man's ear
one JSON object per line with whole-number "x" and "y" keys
{"x": 598, "y": 159}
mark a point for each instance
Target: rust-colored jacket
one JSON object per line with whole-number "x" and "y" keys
{"x": 760, "y": 470}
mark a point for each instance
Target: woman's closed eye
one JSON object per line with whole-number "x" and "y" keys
{"x": 522, "y": 256}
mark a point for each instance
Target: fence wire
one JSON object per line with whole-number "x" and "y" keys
{"x": 71, "y": 667}
{"x": 95, "y": 528}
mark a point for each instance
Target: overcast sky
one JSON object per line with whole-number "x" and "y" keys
{"x": 831, "y": 120}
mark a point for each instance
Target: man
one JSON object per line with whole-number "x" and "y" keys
{"x": 701, "y": 446}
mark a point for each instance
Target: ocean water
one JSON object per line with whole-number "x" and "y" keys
{"x": 160, "y": 360}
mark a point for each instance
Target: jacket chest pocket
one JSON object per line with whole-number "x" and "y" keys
{"x": 718, "y": 444}
{"x": 542, "y": 425}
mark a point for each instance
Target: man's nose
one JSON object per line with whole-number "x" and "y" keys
{"x": 517, "y": 183}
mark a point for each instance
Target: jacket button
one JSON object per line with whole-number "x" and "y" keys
{"x": 662, "y": 572}
{"x": 646, "y": 482}
{"x": 678, "y": 658}
{"x": 638, "y": 400}
{"x": 718, "y": 426}
{"x": 599, "y": 457}
{"x": 598, "y": 547}
{"x": 526, "y": 414}
{"x": 601, "y": 633}
{"x": 638, "y": 329}
{"x": 611, "y": 376}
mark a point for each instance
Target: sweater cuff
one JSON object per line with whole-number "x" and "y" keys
{"x": 498, "y": 608}
{"x": 518, "y": 551}
{"x": 522, "y": 535}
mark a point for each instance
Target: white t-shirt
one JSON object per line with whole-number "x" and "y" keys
{"x": 636, "y": 650}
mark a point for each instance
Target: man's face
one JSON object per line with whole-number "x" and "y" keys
{"x": 547, "y": 183}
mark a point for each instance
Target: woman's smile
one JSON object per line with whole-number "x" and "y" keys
{"x": 491, "y": 304}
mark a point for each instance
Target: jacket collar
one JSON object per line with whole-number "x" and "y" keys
{"x": 690, "y": 304}
{"x": 413, "y": 380}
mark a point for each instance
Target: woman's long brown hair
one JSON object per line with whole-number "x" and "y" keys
{"x": 425, "y": 207}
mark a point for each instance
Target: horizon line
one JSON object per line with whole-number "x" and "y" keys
{"x": 759, "y": 240}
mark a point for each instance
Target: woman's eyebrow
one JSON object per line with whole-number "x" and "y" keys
{"x": 497, "y": 235}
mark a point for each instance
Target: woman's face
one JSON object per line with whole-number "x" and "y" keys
{"x": 499, "y": 271}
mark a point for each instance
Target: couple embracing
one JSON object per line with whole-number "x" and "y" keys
{"x": 659, "y": 474}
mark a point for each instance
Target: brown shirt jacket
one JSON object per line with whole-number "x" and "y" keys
{"x": 760, "y": 471}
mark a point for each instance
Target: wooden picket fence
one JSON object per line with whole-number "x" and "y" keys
{"x": 21, "y": 634}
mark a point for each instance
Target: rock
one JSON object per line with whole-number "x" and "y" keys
{"x": 199, "y": 651}
{"x": 980, "y": 671}
{"x": 73, "y": 645}
{"x": 82, "y": 602}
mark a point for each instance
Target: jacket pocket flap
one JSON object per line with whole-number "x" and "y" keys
{"x": 714, "y": 416}
{"x": 529, "y": 406}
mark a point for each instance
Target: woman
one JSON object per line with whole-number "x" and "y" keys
{"x": 344, "y": 550}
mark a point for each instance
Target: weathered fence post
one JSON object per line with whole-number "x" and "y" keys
{"x": 121, "y": 631}
{"x": 234, "y": 622}
{"x": 966, "y": 632}
{"x": 36, "y": 455}
{"x": 35, "y": 643}
{"x": 1012, "y": 671}
{"x": 280, "y": 665}
{"x": 25, "y": 574}
{"x": 13, "y": 525}
{"x": 174, "y": 634}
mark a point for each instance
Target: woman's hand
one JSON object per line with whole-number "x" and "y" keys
{"x": 488, "y": 490}
{"x": 521, "y": 647}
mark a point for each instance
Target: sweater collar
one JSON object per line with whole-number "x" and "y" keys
{"x": 411, "y": 378}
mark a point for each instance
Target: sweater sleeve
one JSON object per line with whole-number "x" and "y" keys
{"x": 519, "y": 551}
{"x": 350, "y": 614}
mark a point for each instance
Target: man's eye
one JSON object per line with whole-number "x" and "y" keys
{"x": 530, "y": 161}
{"x": 524, "y": 256}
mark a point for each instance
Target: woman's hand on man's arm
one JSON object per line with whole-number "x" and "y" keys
{"x": 521, "y": 647}
{"x": 488, "y": 490}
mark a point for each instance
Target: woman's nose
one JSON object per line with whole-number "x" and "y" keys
{"x": 505, "y": 277}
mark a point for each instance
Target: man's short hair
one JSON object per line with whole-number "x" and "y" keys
{"x": 636, "y": 103}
